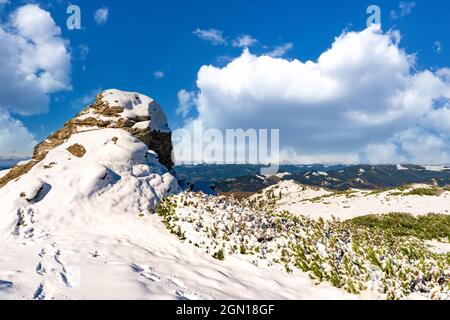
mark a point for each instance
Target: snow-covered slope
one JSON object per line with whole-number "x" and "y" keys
{"x": 132, "y": 257}
{"x": 77, "y": 221}
{"x": 3, "y": 172}
{"x": 365, "y": 261}
{"x": 80, "y": 228}
{"x": 117, "y": 175}
{"x": 317, "y": 202}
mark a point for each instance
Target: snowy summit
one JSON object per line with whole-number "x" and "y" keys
{"x": 102, "y": 159}
{"x": 98, "y": 166}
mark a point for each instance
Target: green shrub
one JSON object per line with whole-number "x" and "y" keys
{"x": 219, "y": 255}
{"x": 428, "y": 227}
{"x": 425, "y": 192}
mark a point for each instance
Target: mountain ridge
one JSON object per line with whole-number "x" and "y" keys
{"x": 246, "y": 178}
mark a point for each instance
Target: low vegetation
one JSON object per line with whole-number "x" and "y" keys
{"x": 386, "y": 255}
{"x": 433, "y": 191}
{"x": 429, "y": 227}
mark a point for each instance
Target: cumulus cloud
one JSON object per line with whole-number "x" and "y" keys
{"x": 383, "y": 153}
{"x": 281, "y": 50}
{"x": 213, "y": 36}
{"x": 101, "y": 15}
{"x": 244, "y": 41}
{"x": 185, "y": 102}
{"x": 35, "y": 62}
{"x": 362, "y": 100}
{"x": 15, "y": 140}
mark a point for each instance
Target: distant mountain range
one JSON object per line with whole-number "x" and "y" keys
{"x": 213, "y": 179}
{"x": 216, "y": 172}
{"x": 9, "y": 163}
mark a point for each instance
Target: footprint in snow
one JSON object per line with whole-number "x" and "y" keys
{"x": 185, "y": 295}
{"x": 139, "y": 267}
{"x": 53, "y": 265}
{"x": 150, "y": 276}
{"x": 175, "y": 281}
{"x": 67, "y": 274}
{"x": 40, "y": 269}
{"x": 42, "y": 292}
{"x": 145, "y": 271}
{"x": 42, "y": 253}
{"x": 5, "y": 285}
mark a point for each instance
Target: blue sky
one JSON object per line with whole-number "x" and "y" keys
{"x": 139, "y": 38}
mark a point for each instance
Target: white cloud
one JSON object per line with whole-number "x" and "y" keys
{"x": 15, "y": 140}
{"x": 224, "y": 59}
{"x": 185, "y": 102}
{"x": 158, "y": 74}
{"x": 281, "y": 50}
{"x": 101, "y": 15}
{"x": 244, "y": 41}
{"x": 361, "y": 101}
{"x": 437, "y": 47}
{"x": 35, "y": 62}
{"x": 383, "y": 153}
{"x": 404, "y": 8}
{"x": 212, "y": 35}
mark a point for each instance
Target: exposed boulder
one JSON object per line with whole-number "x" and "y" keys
{"x": 77, "y": 150}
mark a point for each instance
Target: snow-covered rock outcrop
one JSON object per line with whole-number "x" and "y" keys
{"x": 98, "y": 163}
{"x": 133, "y": 112}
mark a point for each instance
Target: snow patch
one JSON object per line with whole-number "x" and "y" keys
{"x": 4, "y": 172}
{"x": 138, "y": 106}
